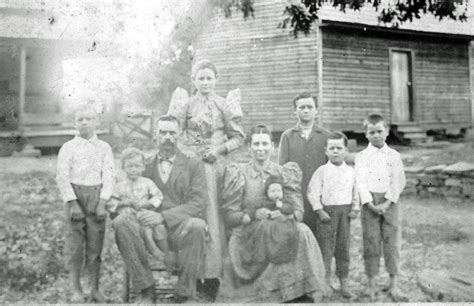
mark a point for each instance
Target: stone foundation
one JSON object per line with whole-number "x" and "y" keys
{"x": 450, "y": 181}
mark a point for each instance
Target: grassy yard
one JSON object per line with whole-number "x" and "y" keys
{"x": 436, "y": 235}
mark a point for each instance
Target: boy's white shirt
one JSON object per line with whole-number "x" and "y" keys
{"x": 379, "y": 170}
{"x": 333, "y": 185}
{"x": 87, "y": 162}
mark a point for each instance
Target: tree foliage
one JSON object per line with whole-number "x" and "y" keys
{"x": 300, "y": 15}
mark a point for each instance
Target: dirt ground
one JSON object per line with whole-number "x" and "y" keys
{"x": 437, "y": 234}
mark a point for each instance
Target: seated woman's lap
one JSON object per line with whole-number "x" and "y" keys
{"x": 278, "y": 282}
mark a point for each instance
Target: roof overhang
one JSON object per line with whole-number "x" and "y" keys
{"x": 393, "y": 30}
{"x": 66, "y": 48}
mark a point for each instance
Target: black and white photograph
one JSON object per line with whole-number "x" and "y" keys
{"x": 236, "y": 151}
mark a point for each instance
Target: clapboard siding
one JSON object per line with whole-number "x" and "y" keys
{"x": 356, "y": 78}
{"x": 270, "y": 67}
{"x": 471, "y": 61}
{"x": 268, "y": 64}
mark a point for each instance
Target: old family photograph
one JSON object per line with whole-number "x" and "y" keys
{"x": 236, "y": 151}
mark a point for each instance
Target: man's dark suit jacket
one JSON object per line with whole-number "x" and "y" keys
{"x": 185, "y": 193}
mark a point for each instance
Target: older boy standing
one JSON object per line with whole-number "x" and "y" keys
{"x": 305, "y": 145}
{"x": 380, "y": 179}
{"x": 85, "y": 177}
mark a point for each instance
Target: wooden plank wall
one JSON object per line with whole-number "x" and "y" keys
{"x": 471, "y": 61}
{"x": 268, "y": 64}
{"x": 356, "y": 78}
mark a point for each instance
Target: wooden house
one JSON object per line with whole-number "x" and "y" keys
{"x": 417, "y": 75}
{"x": 36, "y": 37}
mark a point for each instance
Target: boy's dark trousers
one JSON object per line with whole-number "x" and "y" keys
{"x": 85, "y": 237}
{"x": 381, "y": 232}
{"x": 334, "y": 238}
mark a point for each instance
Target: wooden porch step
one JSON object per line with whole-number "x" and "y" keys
{"x": 415, "y": 135}
{"x": 409, "y": 129}
{"x": 409, "y": 132}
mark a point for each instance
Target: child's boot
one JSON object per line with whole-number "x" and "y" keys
{"x": 77, "y": 297}
{"x": 370, "y": 290}
{"x": 395, "y": 294}
{"x": 75, "y": 277}
{"x": 98, "y": 297}
{"x": 345, "y": 291}
{"x": 328, "y": 282}
{"x": 94, "y": 276}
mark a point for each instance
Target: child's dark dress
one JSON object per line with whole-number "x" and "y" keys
{"x": 272, "y": 240}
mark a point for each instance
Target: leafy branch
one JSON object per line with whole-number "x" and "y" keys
{"x": 300, "y": 15}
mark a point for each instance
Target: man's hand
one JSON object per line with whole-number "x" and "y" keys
{"x": 75, "y": 211}
{"x": 149, "y": 218}
{"x": 246, "y": 219}
{"x": 186, "y": 229}
{"x": 353, "y": 214}
{"x": 100, "y": 211}
{"x": 262, "y": 213}
{"x": 323, "y": 216}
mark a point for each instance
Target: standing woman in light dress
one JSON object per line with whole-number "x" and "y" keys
{"x": 211, "y": 129}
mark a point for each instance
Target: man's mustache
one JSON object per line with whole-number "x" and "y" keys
{"x": 168, "y": 142}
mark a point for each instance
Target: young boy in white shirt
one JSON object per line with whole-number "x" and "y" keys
{"x": 85, "y": 177}
{"x": 333, "y": 196}
{"x": 380, "y": 179}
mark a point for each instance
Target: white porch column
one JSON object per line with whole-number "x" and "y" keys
{"x": 21, "y": 112}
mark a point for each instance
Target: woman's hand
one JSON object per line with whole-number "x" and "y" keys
{"x": 262, "y": 213}
{"x": 211, "y": 154}
{"x": 246, "y": 219}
